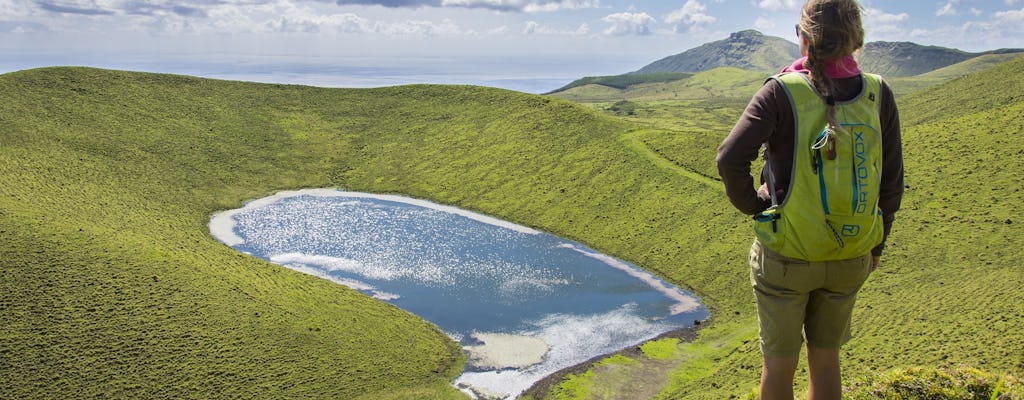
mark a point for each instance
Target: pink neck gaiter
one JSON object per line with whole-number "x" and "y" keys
{"x": 845, "y": 67}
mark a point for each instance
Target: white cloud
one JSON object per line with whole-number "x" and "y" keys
{"x": 164, "y": 17}
{"x": 1004, "y": 27}
{"x": 421, "y": 28}
{"x": 947, "y": 10}
{"x": 692, "y": 14}
{"x": 534, "y": 28}
{"x": 764, "y": 24}
{"x": 878, "y": 21}
{"x": 11, "y": 9}
{"x": 1011, "y": 3}
{"x": 1010, "y": 17}
{"x": 583, "y": 30}
{"x": 529, "y": 6}
{"x": 780, "y": 5}
{"x": 198, "y": 8}
{"x": 629, "y": 24}
{"x": 306, "y": 21}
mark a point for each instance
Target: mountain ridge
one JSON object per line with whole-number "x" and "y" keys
{"x": 752, "y": 50}
{"x": 748, "y": 49}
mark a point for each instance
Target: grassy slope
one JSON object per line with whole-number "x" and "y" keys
{"x": 952, "y": 294}
{"x": 719, "y": 82}
{"x": 141, "y": 297}
{"x": 912, "y": 84}
{"x": 112, "y": 285}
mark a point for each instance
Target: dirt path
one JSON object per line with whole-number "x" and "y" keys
{"x": 632, "y": 140}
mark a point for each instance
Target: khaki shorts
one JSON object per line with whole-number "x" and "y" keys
{"x": 798, "y": 299}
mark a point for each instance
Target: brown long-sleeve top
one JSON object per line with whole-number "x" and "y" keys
{"x": 769, "y": 119}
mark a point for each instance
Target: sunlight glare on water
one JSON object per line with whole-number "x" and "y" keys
{"x": 524, "y": 304}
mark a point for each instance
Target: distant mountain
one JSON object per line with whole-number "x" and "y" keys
{"x": 753, "y": 51}
{"x": 750, "y": 50}
{"x": 897, "y": 59}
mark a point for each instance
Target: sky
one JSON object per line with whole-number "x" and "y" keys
{"x": 527, "y": 45}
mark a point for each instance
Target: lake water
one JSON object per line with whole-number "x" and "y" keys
{"x": 522, "y": 303}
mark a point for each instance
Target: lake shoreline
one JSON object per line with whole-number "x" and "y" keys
{"x": 541, "y": 388}
{"x": 559, "y": 338}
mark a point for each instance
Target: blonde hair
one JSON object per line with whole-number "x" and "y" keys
{"x": 833, "y": 30}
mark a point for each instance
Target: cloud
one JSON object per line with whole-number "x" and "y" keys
{"x": 1010, "y": 17}
{"x": 878, "y": 21}
{"x": 201, "y": 8}
{"x": 237, "y": 16}
{"x": 764, "y": 24}
{"x": 419, "y": 28}
{"x": 337, "y": 23}
{"x": 156, "y": 8}
{"x": 1003, "y": 27}
{"x": 693, "y": 14}
{"x": 947, "y": 10}
{"x": 534, "y": 28}
{"x": 496, "y": 5}
{"x": 304, "y": 20}
{"x": 624, "y": 24}
{"x": 74, "y": 7}
{"x": 21, "y": 27}
{"x": 780, "y": 5}
{"x": 392, "y": 3}
{"x": 9, "y": 9}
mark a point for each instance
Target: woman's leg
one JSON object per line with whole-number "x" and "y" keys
{"x": 825, "y": 376}
{"x": 777, "y": 378}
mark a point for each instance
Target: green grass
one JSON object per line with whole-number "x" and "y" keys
{"x": 912, "y": 84}
{"x": 662, "y": 349}
{"x": 707, "y": 86}
{"x": 916, "y": 383}
{"x": 111, "y": 285}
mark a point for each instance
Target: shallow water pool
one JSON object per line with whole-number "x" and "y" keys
{"x": 522, "y": 303}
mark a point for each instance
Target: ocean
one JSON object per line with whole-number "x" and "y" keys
{"x": 534, "y": 74}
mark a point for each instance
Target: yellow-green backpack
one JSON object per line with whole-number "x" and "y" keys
{"x": 831, "y": 207}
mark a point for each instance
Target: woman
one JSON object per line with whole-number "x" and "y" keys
{"x": 810, "y": 259}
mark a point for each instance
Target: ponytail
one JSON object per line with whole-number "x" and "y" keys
{"x": 832, "y": 29}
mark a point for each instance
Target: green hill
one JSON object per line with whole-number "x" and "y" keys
{"x": 716, "y": 83}
{"x": 112, "y": 287}
{"x": 912, "y": 84}
{"x": 900, "y": 59}
{"x": 976, "y": 93}
{"x": 909, "y": 65}
{"x": 750, "y": 50}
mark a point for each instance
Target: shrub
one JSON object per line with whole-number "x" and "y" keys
{"x": 964, "y": 383}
